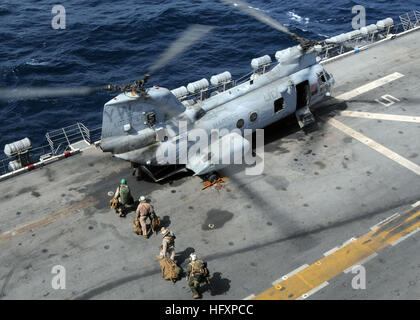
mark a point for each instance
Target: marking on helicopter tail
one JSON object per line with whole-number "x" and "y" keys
{"x": 379, "y": 116}
{"x": 46, "y": 220}
{"x": 375, "y": 146}
{"x": 316, "y": 276}
{"x": 370, "y": 86}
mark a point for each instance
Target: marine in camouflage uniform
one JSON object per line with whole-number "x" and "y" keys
{"x": 144, "y": 211}
{"x": 168, "y": 244}
{"x": 197, "y": 272}
{"x": 123, "y": 194}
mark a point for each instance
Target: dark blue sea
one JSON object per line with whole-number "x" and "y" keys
{"x": 116, "y": 41}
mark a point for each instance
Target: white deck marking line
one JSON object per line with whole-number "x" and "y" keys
{"x": 285, "y": 277}
{"x": 314, "y": 290}
{"x": 379, "y": 116}
{"x": 376, "y": 226}
{"x": 348, "y": 241}
{"x": 416, "y": 204}
{"x": 405, "y": 237}
{"x": 367, "y": 87}
{"x": 331, "y": 251}
{"x": 375, "y": 146}
{"x": 249, "y": 297}
{"x": 361, "y": 262}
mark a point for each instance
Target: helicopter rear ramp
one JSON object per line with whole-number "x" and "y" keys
{"x": 352, "y": 186}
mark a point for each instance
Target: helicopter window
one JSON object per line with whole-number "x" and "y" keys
{"x": 253, "y": 116}
{"x": 240, "y": 123}
{"x": 278, "y": 105}
{"x": 151, "y": 118}
{"x": 321, "y": 76}
{"x": 327, "y": 75}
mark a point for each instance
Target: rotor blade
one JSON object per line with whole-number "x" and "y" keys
{"x": 186, "y": 40}
{"x": 38, "y": 92}
{"x": 246, "y": 8}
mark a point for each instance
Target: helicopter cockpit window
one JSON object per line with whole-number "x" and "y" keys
{"x": 328, "y": 76}
{"x": 151, "y": 118}
{"x": 321, "y": 77}
{"x": 278, "y": 105}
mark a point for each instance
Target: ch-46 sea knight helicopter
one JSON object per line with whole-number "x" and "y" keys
{"x": 140, "y": 122}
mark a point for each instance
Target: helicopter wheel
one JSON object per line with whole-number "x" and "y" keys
{"x": 139, "y": 174}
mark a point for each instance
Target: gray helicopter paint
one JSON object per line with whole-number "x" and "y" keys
{"x": 130, "y": 109}
{"x": 220, "y": 111}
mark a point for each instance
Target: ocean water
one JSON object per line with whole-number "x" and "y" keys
{"x": 116, "y": 41}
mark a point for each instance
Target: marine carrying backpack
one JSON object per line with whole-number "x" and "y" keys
{"x": 198, "y": 268}
{"x": 124, "y": 194}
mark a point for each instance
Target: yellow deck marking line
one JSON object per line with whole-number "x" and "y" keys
{"x": 351, "y": 254}
{"x": 379, "y": 116}
{"x": 46, "y": 220}
{"x": 375, "y": 146}
{"x": 371, "y": 85}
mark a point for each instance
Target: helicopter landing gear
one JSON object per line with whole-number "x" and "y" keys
{"x": 304, "y": 117}
{"x": 137, "y": 172}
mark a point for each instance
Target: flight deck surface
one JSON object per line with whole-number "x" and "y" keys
{"x": 318, "y": 191}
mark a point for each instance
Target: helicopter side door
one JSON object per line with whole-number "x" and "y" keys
{"x": 282, "y": 102}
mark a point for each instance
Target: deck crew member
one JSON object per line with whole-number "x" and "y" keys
{"x": 144, "y": 211}
{"x": 168, "y": 244}
{"x": 197, "y": 272}
{"x": 123, "y": 194}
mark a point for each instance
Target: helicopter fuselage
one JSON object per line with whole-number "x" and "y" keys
{"x": 137, "y": 129}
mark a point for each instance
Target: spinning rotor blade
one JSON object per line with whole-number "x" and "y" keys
{"x": 37, "y": 92}
{"x": 186, "y": 40}
{"x": 247, "y": 9}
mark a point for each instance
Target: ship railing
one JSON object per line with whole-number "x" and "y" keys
{"x": 61, "y": 140}
{"x": 4, "y": 166}
{"x": 408, "y": 21}
{"x": 35, "y": 155}
{"x": 58, "y": 141}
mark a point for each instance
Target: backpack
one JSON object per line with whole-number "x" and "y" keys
{"x": 124, "y": 194}
{"x": 113, "y": 203}
{"x": 137, "y": 227}
{"x": 155, "y": 223}
{"x": 170, "y": 271}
